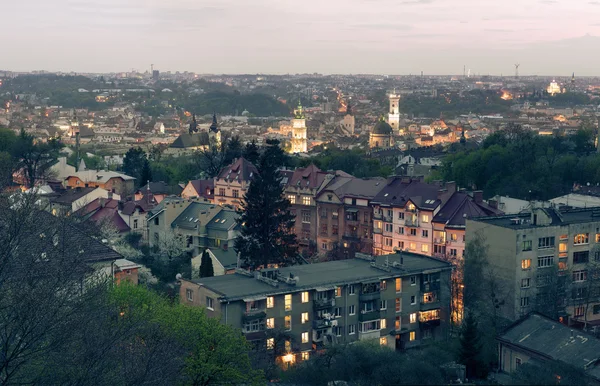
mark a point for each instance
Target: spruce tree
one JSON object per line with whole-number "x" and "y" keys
{"x": 206, "y": 265}
{"x": 266, "y": 235}
{"x": 146, "y": 173}
{"x": 251, "y": 152}
{"x": 470, "y": 348}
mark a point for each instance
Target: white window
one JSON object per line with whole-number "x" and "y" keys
{"x": 270, "y": 302}
{"x": 546, "y": 242}
{"x": 525, "y": 301}
{"x": 525, "y": 283}
{"x": 425, "y": 233}
{"x": 288, "y": 302}
{"x": 579, "y": 276}
{"x": 400, "y": 230}
{"x": 337, "y": 312}
{"x": 375, "y": 325}
{"x": 545, "y": 261}
{"x": 351, "y": 310}
{"x": 135, "y": 223}
{"x": 389, "y": 227}
{"x": 351, "y": 289}
{"x": 351, "y": 329}
{"x": 306, "y": 216}
{"x": 383, "y": 305}
{"x": 189, "y": 294}
{"x": 304, "y": 317}
{"x": 413, "y": 280}
{"x": 210, "y": 303}
{"x": 271, "y": 323}
{"x": 425, "y": 248}
{"x": 413, "y": 300}
{"x": 413, "y": 317}
{"x": 305, "y": 337}
{"x": 270, "y": 343}
{"x": 304, "y": 297}
{"x": 383, "y": 323}
{"x": 401, "y": 215}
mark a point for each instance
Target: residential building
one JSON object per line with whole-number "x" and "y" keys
{"x": 381, "y": 136}
{"x": 187, "y": 143}
{"x": 71, "y": 200}
{"x": 125, "y": 270}
{"x": 543, "y": 261}
{"x": 104, "y": 212}
{"x": 199, "y": 188}
{"x": 118, "y": 183}
{"x": 538, "y": 340}
{"x": 157, "y": 191}
{"x": 224, "y": 261}
{"x": 134, "y": 213}
{"x": 232, "y": 183}
{"x": 401, "y": 301}
{"x": 345, "y": 220}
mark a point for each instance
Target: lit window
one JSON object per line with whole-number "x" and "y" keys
{"x": 398, "y": 285}
{"x": 338, "y": 292}
{"x": 398, "y": 305}
{"x": 425, "y": 218}
{"x": 271, "y": 323}
{"x": 304, "y": 297}
{"x": 525, "y": 263}
{"x": 270, "y": 343}
{"x": 413, "y": 317}
{"x": 189, "y": 294}
{"x": 305, "y": 337}
{"x": 598, "y": 237}
{"x": 582, "y": 238}
{"x": 270, "y": 302}
{"x": 383, "y": 323}
{"x": 425, "y": 248}
{"x": 288, "y": 322}
{"x": 305, "y": 355}
{"x": 305, "y": 200}
{"x": 413, "y": 336}
{"x": 453, "y": 237}
{"x": 397, "y": 323}
{"x": 292, "y": 198}
{"x": 288, "y": 302}
{"x": 383, "y": 341}
{"x": 383, "y": 285}
{"x": 412, "y": 246}
{"x": 304, "y": 317}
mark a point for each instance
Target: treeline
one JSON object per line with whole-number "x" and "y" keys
{"x": 352, "y": 162}
{"x": 519, "y": 163}
{"x": 229, "y": 103}
{"x": 451, "y": 106}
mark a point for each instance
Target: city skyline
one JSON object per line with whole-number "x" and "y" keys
{"x": 438, "y": 37}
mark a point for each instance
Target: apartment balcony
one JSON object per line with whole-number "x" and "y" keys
{"x": 351, "y": 236}
{"x": 352, "y": 221}
{"x": 439, "y": 240}
{"x": 439, "y": 255}
{"x": 322, "y": 324}
{"x": 367, "y": 297}
{"x": 377, "y": 216}
{"x": 388, "y": 218}
{"x": 429, "y": 323}
{"x": 366, "y": 316}
{"x": 411, "y": 222}
{"x": 255, "y": 335}
{"x": 377, "y": 230}
{"x": 251, "y": 315}
{"x": 321, "y": 304}
{"x": 369, "y": 335}
{"x": 430, "y": 286}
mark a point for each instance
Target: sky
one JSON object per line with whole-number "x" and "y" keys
{"x": 546, "y": 37}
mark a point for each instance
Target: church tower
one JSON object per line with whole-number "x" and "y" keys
{"x": 299, "y": 131}
{"x": 214, "y": 133}
{"x": 348, "y": 122}
{"x": 394, "y": 114}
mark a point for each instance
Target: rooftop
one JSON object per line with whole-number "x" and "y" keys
{"x": 324, "y": 276}
{"x": 558, "y": 217}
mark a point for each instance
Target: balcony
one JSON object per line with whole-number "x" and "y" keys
{"x": 322, "y": 324}
{"x": 321, "y": 304}
{"x": 367, "y": 297}
{"x": 411, "y": 222}
{"x": 366, "y": 316}
{"x": 351, "y": 235}
{"x": 388, "y": 218}
{"x": 439, "y": 240}
{"x": 251, "y": 315}
{"x": 430, "y": 286}
{"x": 377, "y": 230}
{"x": 377, "y": 216}
{"x": 255, "y": 335}
{"x": 429, "y": 323}
{"x": 369, "y": 335}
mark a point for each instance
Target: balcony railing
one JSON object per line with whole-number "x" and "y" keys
{"x": 388, "y": 218}
{"x": 369, "y": 315}
{"x": 410, "y": 222}
{"x": 320, "y": 304}
{"x": 377, "y": 230}
{"x": 251, "y": 315}
{"x": 377, "y": 216}
{"x": 321, "y": 324}
{"x": 351, "y": 235}
{"x": 439, "y": 240}
{"x": 369, "y": 296}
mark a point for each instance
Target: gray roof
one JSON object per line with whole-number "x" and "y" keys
{"x": 560, "y": 217}
{"x": 356, "y": 187}
{"x": 556, "y": 341}
{"x": 227, "y": 258}
{"x": 224, "y": 220}
{"x": 192, "y": 215}
{"x": 329, "y": 274}
{"x": 69, "y": 196}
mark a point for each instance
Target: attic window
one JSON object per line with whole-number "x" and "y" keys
{"x": 217, "y": 220}
{"x": 223, "y": 221}
{"x": 385, "y": 195}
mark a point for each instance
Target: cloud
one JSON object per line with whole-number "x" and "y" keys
{"x": 383, "y": 26}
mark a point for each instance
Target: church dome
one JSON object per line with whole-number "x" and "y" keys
{"x": 382, "y": 127}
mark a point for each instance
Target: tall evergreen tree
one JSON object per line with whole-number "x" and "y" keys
{"x": 251, "y": 152}
{"x": 266, "y": 235}
{"x": 146, "y": 172}
{"x": 206, "y": 265}
{"x": 470, "y": 348}
{"x": 133, "y": 164}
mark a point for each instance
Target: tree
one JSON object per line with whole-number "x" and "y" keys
{"x": 233, "y": 150}
{"x": 266, "y": 235}
{"x": 34, "y": 159}
{"x": 134, "y": 162}
{"x": 206, "y": 265}
{"x": 470, "y": 348}
{"x": 251, "y": 152}
{"x": 146, "y": 173}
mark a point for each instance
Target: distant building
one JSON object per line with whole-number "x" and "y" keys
{"x": 72, "y": 200}
{"x": 118, "y": 183}
{"x": 394, "y": 114}
{"x": 381, "y": 135}
{"x": 349, "y": 122}
{"x": 232, "y": 183}
{"x": 199, "y": 188}
{"x": 214, "y": 133}
{"x": 299, "y": 131}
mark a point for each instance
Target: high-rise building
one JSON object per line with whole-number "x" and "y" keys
{"x": 299, "y": 131}
{"x": 155, "y": 75}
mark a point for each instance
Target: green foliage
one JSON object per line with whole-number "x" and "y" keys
{"x": 551, "y": 373}
{"x": 34, "y": 159}
{"x": 136, "y": 164}
{"x": 206, "y": 265}
{"x": 251, "y": 153}
{"x": 470, "y": 353}
{"x": 228, "y": 103}
{"x": 266, "y": 235}
{"x": 451, "y": 105}
{"x": 352, "y": 162}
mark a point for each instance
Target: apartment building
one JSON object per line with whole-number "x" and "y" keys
{"x": 543, "y": 260}
{"x": 345, "y": 221}
{"x": 399, "y": 300}
{"x": 232, "y": 183}
{"x": 118, "y": 183}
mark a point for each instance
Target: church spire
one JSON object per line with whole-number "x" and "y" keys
{"x": 193, "y": 125}
{"x": 214, "y": 126}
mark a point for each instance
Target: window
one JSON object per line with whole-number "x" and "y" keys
{"x": 400, "y": 230}
{"x": 413, "y": 300}
{"x": 582, "y": 238}
{"x": 291, "y": 198}
{"x": 579, "y": 311}
{"x": 527, "y": 245}
{"x": 398, "y": 285}
{"x": 397, "y": 323}
{"x": 413, "y": 232}
{"x": 288, "y": 322}
{"x": 390, "y": 212}
{"x": 351, "y": 310}
{"x": 338, "y": 292}
{"x": 306, "y": 216}
{"x": 545, "y": 261}
{"x": 351, "y": 289}
{"x": 388, "y": 241}
{"x": 135, "y": 223}
{"x": 425, "y": 218}
{"x": 305, "y": 355}
{"x": 369, "y": 326}
{"x": 453, "y": 237}
{"x": 156, "y": 222}
{"x": 189, "y": 294}
{"x": 304, "y": 317}
{"x": 525, "y": 263}
{"x": 426, "y": 316}
{"x": 288, "y": 302}
{"x": 400, "y": 215}
{"x": 270, "y": 343}
{"x": 425, "y": 248}
{"x": 518, "y": 362}
{"x": 270, "y": 322}
{"x": 334, "y": 214}
{"x": 324, "y": 246}
{"x": 210, "y": 303}
{"x": 562, "y": 248}
{"x": 305, "y": 200}
{"x": 398, "y": 305}
{"x": 235, "y": 193}
{"x": 525, "y": 283}
{"x": 383, "y": 341}
{"x": 581, "y": 257}
{"x": 383, "y": 305}
{"x": 351, "y": 329}
{"x": 579, "y": 276}
{"x": 270, "y": 302}
{"x": 413, "y": 317}
{"x": 546, "y": 242}
{"x": 221, "y": 191}
{"x": 413, "y": 336}
{"x": 425, "y": 233}
{"x": 412, "y": 246}
{"x": 389, "y": 227}
{"x": 334, "y": 229}
{"x": 525, "y": 301}
{"x": 337, "y": 312}
{"x": 305, "y": 337}
{"x": 305, "y": 297}
{"x": 383, "y": 285}
{"x": 597, "y": 237}
{"x": 288, "y": 346}
{"x": 413, "y": 280}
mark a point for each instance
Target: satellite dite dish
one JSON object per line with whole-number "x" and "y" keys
{"x": 178, "y": 277}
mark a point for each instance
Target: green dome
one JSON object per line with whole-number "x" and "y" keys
{"x": 382, "y": 127}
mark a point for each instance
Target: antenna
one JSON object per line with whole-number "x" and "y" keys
{"x": 517, "y": 70}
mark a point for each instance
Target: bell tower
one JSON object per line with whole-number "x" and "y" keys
{"x": 394, "y": 114}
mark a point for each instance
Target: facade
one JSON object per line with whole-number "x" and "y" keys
{"x": 345, "y": 218}
{"x": 349, "y": 122}
{"x": 232, "y": 183}
{"x": 118, "y": 183}
{"x": 199, "y": 188}
{"x": 134, "y": 214}
{"x": 381, "y": 136}
{"x": 72, "y": 200}
{"x": 214, "y": 133}
{"x": 544, "y": 260}
{"x": 394, "y": 114}
{"x": 126, "y": 271}
{"x": 401, "y": 301}
{"x": 299, "y": 131}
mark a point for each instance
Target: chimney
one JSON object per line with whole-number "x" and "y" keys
{"x": 478, "y": 196}
{"x": 110, "y": 195}
{"x": 102, "y": 202}
{"x": 493, "y": 203}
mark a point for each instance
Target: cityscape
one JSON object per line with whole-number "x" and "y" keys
{"x": 333, "y": 200}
